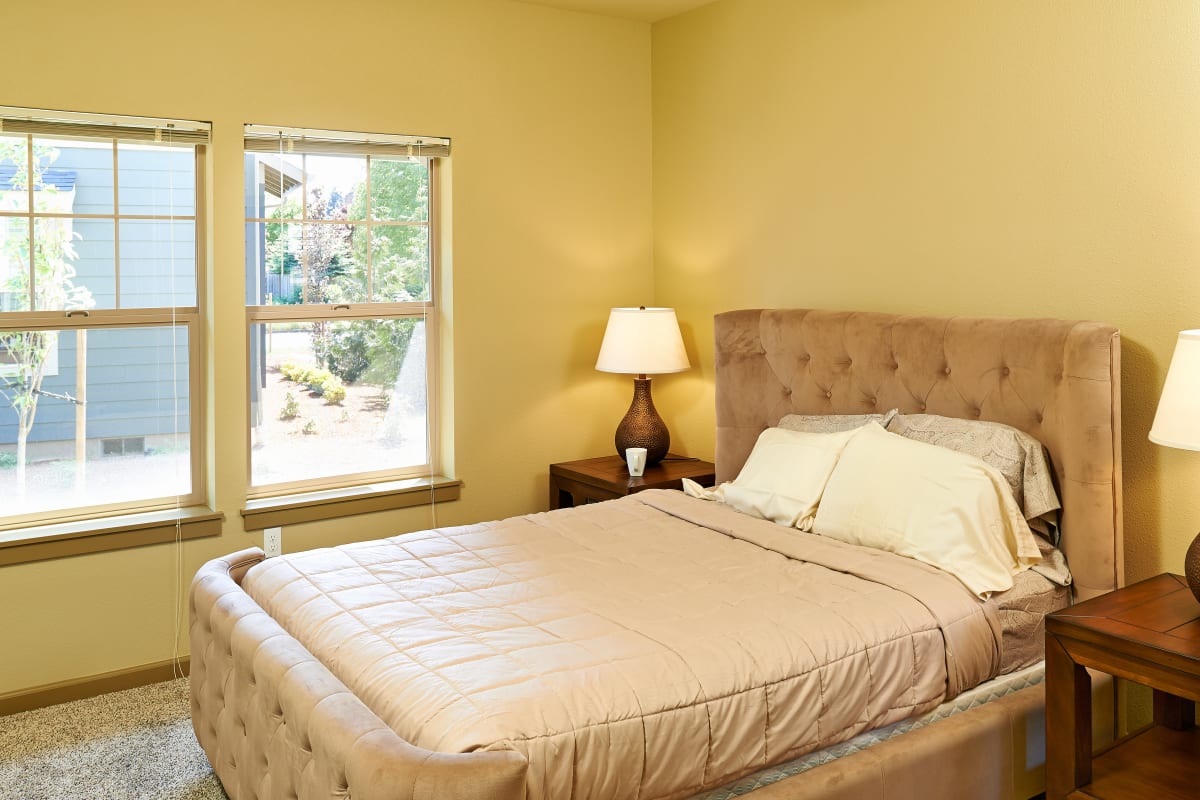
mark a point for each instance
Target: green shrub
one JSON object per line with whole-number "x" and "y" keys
{"x": 366, "y": 351}
{"x": 345, "y": 351}
{"x": 319, "y": 381}
{"x": 291, "y": 407}
{"x": 333, "y": 392}
{"x": 8, "y": 460}
{"x": 290, "y": 371}
{"x": 310, "y": 428}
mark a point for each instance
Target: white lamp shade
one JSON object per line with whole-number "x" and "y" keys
{"x": 642, "y": 341}
{"x": 1177, "y": 421}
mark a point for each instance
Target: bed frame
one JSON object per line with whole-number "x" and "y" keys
{"x": 275, "y": 723}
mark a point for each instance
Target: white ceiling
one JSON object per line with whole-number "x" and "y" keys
{"x": 643, "y": 10}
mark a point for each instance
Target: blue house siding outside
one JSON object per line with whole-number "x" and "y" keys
{"x": 134, "y": 385}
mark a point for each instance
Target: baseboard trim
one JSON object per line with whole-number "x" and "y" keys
{"x": 52, "y": 694}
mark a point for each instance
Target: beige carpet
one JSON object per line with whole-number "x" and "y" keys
{"x": 132, "y": 745}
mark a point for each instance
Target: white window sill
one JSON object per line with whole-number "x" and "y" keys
{"x": 59, "y": 540}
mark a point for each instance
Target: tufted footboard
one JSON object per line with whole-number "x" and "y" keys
{"x": 276, "y": 724}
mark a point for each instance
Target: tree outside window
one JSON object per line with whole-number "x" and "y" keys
{"x": 26, "y": 353}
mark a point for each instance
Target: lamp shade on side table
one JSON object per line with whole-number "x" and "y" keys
{"x": 1177, "y": 422}
{"x": 642, "y": 342}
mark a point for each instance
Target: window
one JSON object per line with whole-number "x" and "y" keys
{"x": 100, "y": 339}
{"x": 341, "y": 297}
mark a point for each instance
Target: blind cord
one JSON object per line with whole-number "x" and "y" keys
{"x": 176, "y": 659}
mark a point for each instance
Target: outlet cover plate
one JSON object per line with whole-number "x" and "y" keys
{"x": 273, "y": 541}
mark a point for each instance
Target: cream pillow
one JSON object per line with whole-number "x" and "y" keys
{"x": 1019, "y": 457}
{"x": 783, "y": 478}
{"x": 948, "y": 509}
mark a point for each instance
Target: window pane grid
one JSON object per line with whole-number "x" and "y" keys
{"x": 138, "y": 454}
{"x": 339, "y": 288}
{"x": 106, "y": 344}
{"x": 369, "y": 199}
{"x": 338, "y": 399}
{"x": 371, "y": 244}
{"x": 38, "y": 158}
{"x": 305, "y": 232}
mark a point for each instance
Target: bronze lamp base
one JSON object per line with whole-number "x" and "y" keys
{"x": 642, "y": 426}
{"x": 1191, "y": 566}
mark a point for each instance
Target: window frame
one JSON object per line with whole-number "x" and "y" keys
{"x": 331, "y": 143}
{"x": 34, "y": 124}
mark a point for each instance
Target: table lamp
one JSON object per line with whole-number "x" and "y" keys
{"x": 1177, "y": 422}
{"x": 642, "y": 342}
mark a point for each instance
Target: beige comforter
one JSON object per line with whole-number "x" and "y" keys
{"x": 649, "y": 647}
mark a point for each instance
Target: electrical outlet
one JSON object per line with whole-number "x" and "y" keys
{"x": 273, "y": 541}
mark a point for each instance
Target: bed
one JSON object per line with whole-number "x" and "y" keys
{"x": 278, "y": 721}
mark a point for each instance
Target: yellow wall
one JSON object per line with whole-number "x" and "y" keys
{"x": 929, "y": 156}
{"x": 551, "y": 227}
{"x": 1024, "y": 158}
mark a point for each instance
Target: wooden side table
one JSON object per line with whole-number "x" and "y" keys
{"x": 607, "y": 478}
{"x": 1148, "y": 633}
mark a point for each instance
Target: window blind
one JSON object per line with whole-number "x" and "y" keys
{"x": 41, "y": 122}
{"x": 273, "y": 139}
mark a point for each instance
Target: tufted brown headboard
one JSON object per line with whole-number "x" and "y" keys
{"x": 1057, "y": 380}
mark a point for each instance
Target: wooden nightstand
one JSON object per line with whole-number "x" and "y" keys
{"x": 1148, "y": 633}
{"x": 607, "y": 478}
